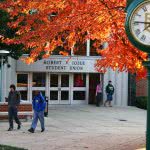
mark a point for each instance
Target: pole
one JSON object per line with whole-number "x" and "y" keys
{"x": 147, "y": 65}
{"x": 1, "y": 90}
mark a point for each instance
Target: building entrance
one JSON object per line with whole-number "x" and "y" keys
{"x": 93, "y": 81}
{"x": 59, "y": 89}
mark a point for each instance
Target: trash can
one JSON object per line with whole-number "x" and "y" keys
{"x": 46, "y": 108}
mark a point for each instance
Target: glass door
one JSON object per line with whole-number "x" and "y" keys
{"x": 64, "y": 89}
{"x": 59, "y": 89}
{"x": 54, "y": 88}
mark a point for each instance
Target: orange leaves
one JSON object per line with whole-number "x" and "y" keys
{"x": 63, "y": 53}
{"x": 44, "y": 25}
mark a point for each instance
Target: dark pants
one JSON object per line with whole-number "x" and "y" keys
{"x": 98, "y": 99}
{"x": 13, "y": 113}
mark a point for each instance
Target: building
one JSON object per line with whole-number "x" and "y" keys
{"x": 64, "y": 80}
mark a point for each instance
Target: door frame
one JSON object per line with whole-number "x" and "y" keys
{"x": 59, "y": 89}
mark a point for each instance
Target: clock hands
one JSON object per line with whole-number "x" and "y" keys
{"x": 146, "y": 27}
{"x": 147, "y": 23}
{"x": 142, "y": 22}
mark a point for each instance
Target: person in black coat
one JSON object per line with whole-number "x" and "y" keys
{"x": 13, "y": 103}
{"x": 109, "y": 92}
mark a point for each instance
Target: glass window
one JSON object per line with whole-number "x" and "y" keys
{"x": 80, "y": 49}
{"x": 64, "y": 95}
{"x": 53, "y": 95}
{"x": 93, "y": 51}
{"x": 23, "y": 95}
{"x": 22, "y": 80}
{"x": 79, "y": 80}
{"x": 79, "y": 95}
{"x": 54, "y": 80}
{"x": 39, "y": 80}
{"x": 64, "y": 80}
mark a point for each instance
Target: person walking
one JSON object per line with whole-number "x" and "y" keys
{"x": 98, "y": 94}
{"x": 39, "y": 105}
{"x": 13, "y": 103}
{"x": 109, "y": 92}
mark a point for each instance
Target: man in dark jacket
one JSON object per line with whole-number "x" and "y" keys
{"x": 13, "y": 102}
{"x": 39, "y": 105}
{"x": 109, "y": 91}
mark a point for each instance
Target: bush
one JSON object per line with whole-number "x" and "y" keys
{"x": 141, "y": 102}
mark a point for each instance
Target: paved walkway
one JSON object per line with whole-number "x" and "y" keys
{"x": 82, "y": 127}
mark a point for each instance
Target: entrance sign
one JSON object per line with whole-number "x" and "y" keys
{"x": 60, "y": 64}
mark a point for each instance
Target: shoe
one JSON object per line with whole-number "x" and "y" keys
{"x": 19, "y": 126}
{"x": 10, "y": 129}
{"x": 110, "y": 105}
{"x": 31, "y": 130}
{"x": 42, "y": 130}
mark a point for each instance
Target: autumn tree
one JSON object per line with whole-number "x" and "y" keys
{"x": 44, "y": 25}
{"x": 5, "y": 31}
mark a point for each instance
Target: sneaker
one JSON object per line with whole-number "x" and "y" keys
{"x": 10, "y": 129}
{"x": 42, "y": 130}
{"x": 19, "y": 126}
{"x": 31, "y": 130}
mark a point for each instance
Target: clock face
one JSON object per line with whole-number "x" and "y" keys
{"x": 140, "y": 23}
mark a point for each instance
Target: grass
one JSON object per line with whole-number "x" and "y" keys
{"x": 6, "y": 147}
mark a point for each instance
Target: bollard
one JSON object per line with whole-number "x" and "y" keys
{"x": 46, "y": 108}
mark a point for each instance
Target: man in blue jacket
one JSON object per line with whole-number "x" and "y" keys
{"x": 39, "y": 105}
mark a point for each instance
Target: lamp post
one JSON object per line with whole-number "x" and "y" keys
{"x": 2, "y": 54}
{"x": 137, "y": 19}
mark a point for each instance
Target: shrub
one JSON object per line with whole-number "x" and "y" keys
{"x": 5, "y": 147}
{"x": 141, "y": 102}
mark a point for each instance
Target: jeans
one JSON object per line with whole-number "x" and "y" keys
{"x": 13, "y": 113}
{"x": 38, "y": 115}
{"x": 98, "y": 99}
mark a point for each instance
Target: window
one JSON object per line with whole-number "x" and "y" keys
{"x": 93, "y": 51}
{"x": 79, "y": 95}
{"x": 39, "y": 80}
{"x": 24, "y": 95}
{"x": 79, "y": 80}
{"x": 80, "y": 49}
{"x": 79, "y": 84}
{"x": 22, "y": 85}
{"x": 22, "y": 80}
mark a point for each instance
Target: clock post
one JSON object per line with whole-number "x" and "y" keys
{"x": 147, "y": 65}
{"x": 137, "y": 27}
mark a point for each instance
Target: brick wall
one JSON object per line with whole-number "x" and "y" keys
{"x": 21, "y": 108}
{"x": 141, "y": 87}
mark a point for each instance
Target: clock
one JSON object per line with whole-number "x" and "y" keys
{"x": 138, "y": 24}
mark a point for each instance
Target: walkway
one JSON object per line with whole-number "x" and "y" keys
{"x": 82, "y": 127}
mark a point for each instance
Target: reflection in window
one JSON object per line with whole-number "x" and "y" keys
{"x": 79, "y": 80}
{"x": 54, "y": 80}
{"x": 22, "y": 80}
{"x": 80, "y": 49}
{"x": 23, "y": 95}
{"x": 79, "y": 95}
{"x": 39, "y": 79}
{"x": 64, "y": 95}
{"x": 53, "y": 95}
{"x": 64, "y": 80}
{"x": 97, "y": 45}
